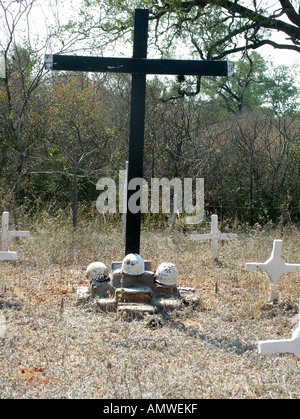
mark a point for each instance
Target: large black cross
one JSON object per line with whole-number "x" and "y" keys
{"x": 139, "y": 66}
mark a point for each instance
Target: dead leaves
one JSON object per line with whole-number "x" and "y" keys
{"x": 36, "y": 376}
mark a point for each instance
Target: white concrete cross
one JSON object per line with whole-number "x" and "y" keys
{"x": 6, "y": 235}
{"x": 215, "y": 235}
{"x": 275, "y": 267}
{"x": 8, "y": 256}
{"x": 2, "y": 327}
{"x": 2, "y": 66}
{"x": 291, "y": 346}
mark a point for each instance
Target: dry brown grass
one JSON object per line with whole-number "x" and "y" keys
{"x": 56, "y": 349}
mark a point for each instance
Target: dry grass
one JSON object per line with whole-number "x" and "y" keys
{"x": 56, "y": 349}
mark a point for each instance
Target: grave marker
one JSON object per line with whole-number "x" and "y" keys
{"x": 215, "y": 235}
{"x": 282, "y": 346}
{"x": 138, "y": 66}
{"x": 6, "y": 235}
{"x": 275, "y": 267}
{"x": 2, "y": 327}
{"x": 8, "y": 256}
{"x": 2, "y": 66}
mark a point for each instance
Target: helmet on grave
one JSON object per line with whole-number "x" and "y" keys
{"x": 133, "y": 264}
{"x": 97, "y": 271}
{"x": 167, "y": 274}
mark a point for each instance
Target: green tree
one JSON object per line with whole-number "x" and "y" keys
{"x": 22, "y": 96}
{"x": 256, "y": 83}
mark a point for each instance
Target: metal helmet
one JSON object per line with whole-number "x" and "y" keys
{"x": 97, "y": 271}
{"x": 167, "y": 274}
{"x": 133, "y": 264}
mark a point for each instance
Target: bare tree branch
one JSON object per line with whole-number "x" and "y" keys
{"x": 249, "y": 21}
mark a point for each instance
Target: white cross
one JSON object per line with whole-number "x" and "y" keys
{"x": 2, "y": 66}
{"x": 291, "y": 346}
{"x": 275, "y": 267}
{"x": 215, "y": 235}
{"x": 8, "y": 256}
{"x": 2, "y": 327}
{"x": 6, "y": 235}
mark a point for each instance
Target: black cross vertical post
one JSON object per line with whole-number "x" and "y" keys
{"x": 139, "y": 66}
{"x": 137, "y": 129}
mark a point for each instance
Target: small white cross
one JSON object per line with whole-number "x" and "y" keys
{"x": 215, "y": 235}
{"x": 8, "y": 256}
{"x": 2, "y": 66}
{"x": 291, "y": 346}
{"x": 275, "y": 267}
{"x": 6, "y": 235}
{"x": 2, "y": 327}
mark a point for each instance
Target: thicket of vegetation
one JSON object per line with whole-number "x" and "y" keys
{"x": 59, "y": 133}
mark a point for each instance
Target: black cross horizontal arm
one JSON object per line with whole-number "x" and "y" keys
{"x": 139, "y": 66}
